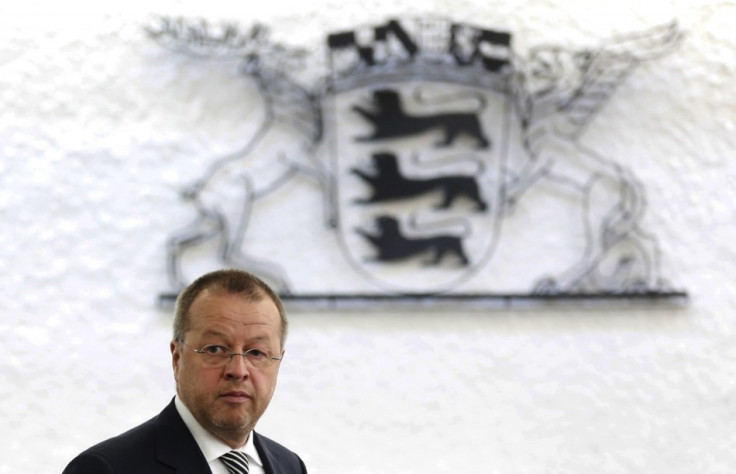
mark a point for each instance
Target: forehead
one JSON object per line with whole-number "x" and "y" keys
{"x": 232, "y": 314}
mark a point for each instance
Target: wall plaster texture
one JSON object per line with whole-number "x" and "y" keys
{"x": 100, "y": 127}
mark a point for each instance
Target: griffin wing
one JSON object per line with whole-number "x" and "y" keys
{"x": 590, "y": 77}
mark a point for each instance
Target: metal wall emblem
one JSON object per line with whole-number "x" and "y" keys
{"x": 422, "y": 138}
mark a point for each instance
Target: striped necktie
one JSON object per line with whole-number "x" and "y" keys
{"x": 236, "y": 462}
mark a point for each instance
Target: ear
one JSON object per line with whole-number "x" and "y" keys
{"x": 175, "y": 356}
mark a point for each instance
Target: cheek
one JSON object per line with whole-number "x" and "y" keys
{"x": 189, "y": 374}
{"x": 200, "y": 380}
{"x": 266, "y": 384}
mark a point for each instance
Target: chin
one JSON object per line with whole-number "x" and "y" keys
{"x": 234, "y": 421}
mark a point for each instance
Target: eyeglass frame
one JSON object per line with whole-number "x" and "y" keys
{"x": 231, "y": 354}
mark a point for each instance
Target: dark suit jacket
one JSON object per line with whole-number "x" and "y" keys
{"x": 164, "y": 444}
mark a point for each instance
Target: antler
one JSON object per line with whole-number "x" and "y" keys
{"x": 272, "y": 65}
{"x": 199, "y": 38}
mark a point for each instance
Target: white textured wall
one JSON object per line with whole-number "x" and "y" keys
{"x": 99, "y": 128}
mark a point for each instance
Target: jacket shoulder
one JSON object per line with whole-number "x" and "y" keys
{"x": 157, "y": 445}
{"x": 122, "y": 450}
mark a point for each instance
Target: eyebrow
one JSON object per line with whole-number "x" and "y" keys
{"x": 212, "y": 332}
{"x": 215, "y": 333}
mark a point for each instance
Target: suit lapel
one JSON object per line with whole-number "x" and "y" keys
{"x": 269, "y": 458}
{"x": 175, "y": 445}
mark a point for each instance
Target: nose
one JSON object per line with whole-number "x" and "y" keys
{"x": 236, "y": 367}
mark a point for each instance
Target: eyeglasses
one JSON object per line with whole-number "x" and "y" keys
{"x": 218, "y": 356}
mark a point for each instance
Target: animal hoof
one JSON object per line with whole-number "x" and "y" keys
{"x": 546, "y": 286}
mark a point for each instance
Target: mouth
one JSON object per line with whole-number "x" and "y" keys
{"x": 235, "y": 396}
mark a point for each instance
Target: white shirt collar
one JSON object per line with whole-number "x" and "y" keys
{"x": 212, "y": 448}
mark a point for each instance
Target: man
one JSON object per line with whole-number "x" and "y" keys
{"x": 229, "y": 334}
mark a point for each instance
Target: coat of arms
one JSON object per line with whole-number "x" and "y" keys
{"x": 421, "y": 139}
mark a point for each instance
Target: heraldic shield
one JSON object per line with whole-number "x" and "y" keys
{"x": 417, "y": 193}
{"x": 417, "y": 164}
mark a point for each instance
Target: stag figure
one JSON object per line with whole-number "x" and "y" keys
{"x": 283, "y": 146}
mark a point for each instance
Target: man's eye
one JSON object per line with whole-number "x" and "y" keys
{"x": 257, "y": 354}
{"x": 215, "y": 350}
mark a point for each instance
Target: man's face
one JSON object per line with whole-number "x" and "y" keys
{"x": 228, "y": 400}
